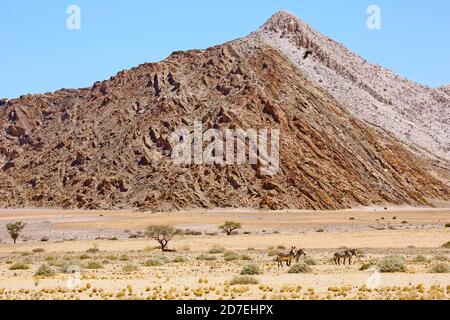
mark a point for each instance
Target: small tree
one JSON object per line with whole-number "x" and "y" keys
{"x": 14, "y": 229}
{"x": 230, "y": 226}
{"x": 163, "y": 234}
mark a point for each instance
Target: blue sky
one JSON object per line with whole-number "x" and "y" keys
{"x": 39, "y": 54}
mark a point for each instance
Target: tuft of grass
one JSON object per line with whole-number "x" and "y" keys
{"x": 420, "y": 259}
{"x": 130, "y": 268}
{"x": 93, "y": 265}
{"x": 38, "y": 250}
{"x": 441, "y": 267}
{"x": 45, "y": 271}
{"x": 251, "y": 270}
{"x": 300, "y": 268}
{"x": 94, "y": 249}
{"x": 19, "y": 266}
{"x": 206, "y": 257}
{"x": 179, "y": 259}
{"x": 441, "y": 257}
{"x": 155, "y": 262}
{"x": 246, "y": 257}
{"x": 230, "y": 256}
{"x": 446, "y": 245}
{"x": 244, "y": 280}
{"x": 366, "y": 266}
{"x": 216, "y": 250}
{"x": 392, "y": 264}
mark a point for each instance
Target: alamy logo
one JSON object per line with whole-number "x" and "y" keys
{"x": 374, "y": 19}
{"x": 73, "y": 22}
{"x": 227, "y": 147}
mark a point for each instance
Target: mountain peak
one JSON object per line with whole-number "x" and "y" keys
{"x": 284, "y": 21}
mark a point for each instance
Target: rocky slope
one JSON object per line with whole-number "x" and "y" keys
{"x": 417, "y": 115}
{"x": 446, "y": 89}
{"x": 107, "y": 146}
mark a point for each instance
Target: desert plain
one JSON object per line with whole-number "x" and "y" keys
{"x": 77, "y": 254}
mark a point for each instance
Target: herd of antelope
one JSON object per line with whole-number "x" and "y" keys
{"x": 296, "y": 254}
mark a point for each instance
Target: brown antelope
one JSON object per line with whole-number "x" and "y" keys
{"x": 346, "y": 254}
{"x": 298, "y": 254}
{"x": 286, "y": 257}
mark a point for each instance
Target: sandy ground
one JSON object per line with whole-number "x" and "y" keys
{"x": 123, "y": 267}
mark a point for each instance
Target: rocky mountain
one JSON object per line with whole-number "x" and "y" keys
{"x": 445, "y": 88}
{"x": 417, "y": 115}
{"x": 108, "y": 146}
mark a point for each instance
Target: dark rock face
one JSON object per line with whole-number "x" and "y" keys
{"x": 109, "y": 147}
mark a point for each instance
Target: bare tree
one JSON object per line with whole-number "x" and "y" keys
{"x": 230, "y": 226}
{"x": 14, "y": 229}
{"x": 162, "y": 233}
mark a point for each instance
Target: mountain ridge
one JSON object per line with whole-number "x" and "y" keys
{"x": 108, "y": 147}
{"x": 370, "y": 92}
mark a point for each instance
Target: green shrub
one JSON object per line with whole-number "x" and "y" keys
{"x": 84, "y": 257}
{"x": 206, "y": 257}
{"x": 45, "y": 271}
{"x": 300, "y": 268}
{"x": 230, "y": 256}
{"x": 216, "y": 250}
{"x": 162, "y": 234}
{"x": 243, "y": 280}
{"x": 230, "y": 226}
{"x": 19, "y": 266}
{"x": 441, "y": 267}
{"x": 392, "y": 264}
{"x": 15, "y": 229}
{"x": 251, "y": 270}
{"x": 446, "y": 245}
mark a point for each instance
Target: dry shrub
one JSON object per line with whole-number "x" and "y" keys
{"x": 300, "y": 268}
{"x": 392, "y": 264}
{"x": 244, "y": 280}
{"x": 251, "y": 270}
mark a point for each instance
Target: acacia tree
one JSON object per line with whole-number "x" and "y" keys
{"x": 14, "y": 229}
{"x": 230, "y": 226}
{"x": 161, "y": 233}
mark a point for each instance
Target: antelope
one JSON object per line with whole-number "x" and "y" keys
{"x": 287, "y": 257}
{"x": 298, "y": 254}
{"x": 348, "y": 253}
